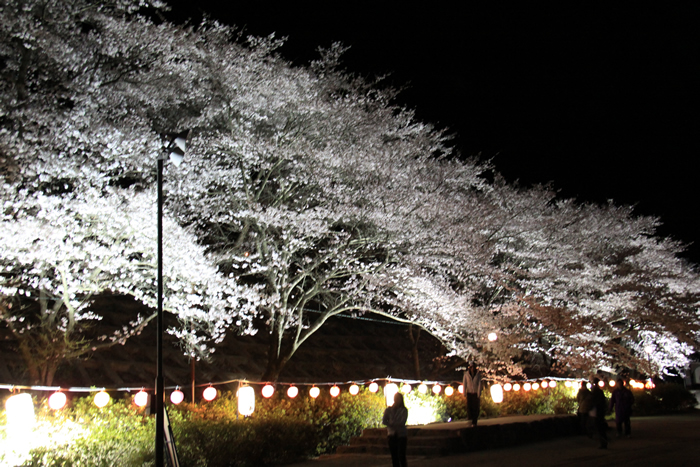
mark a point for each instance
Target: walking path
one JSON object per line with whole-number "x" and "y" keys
{"x": 655, "y": 441}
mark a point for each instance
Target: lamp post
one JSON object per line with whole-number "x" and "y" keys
{"x": 175, "y": 151}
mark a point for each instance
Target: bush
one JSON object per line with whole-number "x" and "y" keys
{"x": 83, "y": 434}
{"x": 280, "y": 431}
{"x": 664, "y": 398}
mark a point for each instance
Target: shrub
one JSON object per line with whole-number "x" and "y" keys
{"x": 664, "y": 398}
{"x": 118, "y": 434}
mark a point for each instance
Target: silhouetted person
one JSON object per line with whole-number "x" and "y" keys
{"x": 585, "y": 404}
{"x": 472, "y": 390}
{"x": 621, "y": 400}
{"x": 600, "y": 405}
{"x": 395, "y": 420}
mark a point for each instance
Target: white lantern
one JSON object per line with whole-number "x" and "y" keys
{"x": 19, "y": 410}
{"x": 390, "y": 391}
{"x": 449, "y": 390}
{"x": 101, "y": 399}
{"x": 335, "y": 391}
{"x": 436, "y": 389}
{"x": 267, "y": 391}
{"x": 292, "y": 392}
{"x": 141, "y": 398}
{"x": 177, "y": 396}
{"x": 209, "y": 394}
{"x": 246, "y": 400}
{"x": 405, "y": 388}
{"x": 354, "y": 389}
{"x": 423, "y": 388}
{"x": 507, "y": 387}
{"x": 497, "y": 393}
{"x": 373, "y": 387}
{"x": 57, "y": 400}
{"x": 314, "y": 392}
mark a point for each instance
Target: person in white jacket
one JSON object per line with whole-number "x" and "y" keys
{"x": 395, "y": 420}
{"x": 472, "y": 391}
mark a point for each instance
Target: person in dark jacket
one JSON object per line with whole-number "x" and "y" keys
{"x": 395, "y": 420}
{"x": 621, "y": 400}
{"x": 600, "y": 405}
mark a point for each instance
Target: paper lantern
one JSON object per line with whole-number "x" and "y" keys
{"x": 141, "y": 398}
{"x": 449, "y": 390}
{"x": 19, "y": 410}
{"x": 335, "y": 391}
{"x": 437, "y": 389}
{"x": 423, "y": 388}
{"x": 601, "y": 383}
{"x": 390, "y": 391}
{"x": 209, "y": 394}
{"x": 246, "y": 400}
{"x": 612, "y": 383}
{"x": 497, "y": 393}
{"x": 552, "y": 384}
{"x": 516, "y": 387}
{"x": 57, "y": 400}
{"x": 535, "y": 386}
{"x": 507, "y": 387}
{"x": 354, "y": 389}
{"x": 177, "y": 396}
{"x": 527, "y": 386}
{"x": 545, "y": 384}
{"x": 567, "y": 384}
{"x": 267, "y": 391}
{"x": 292, "y": 392}
{"x": 406, "y": 388}
{"x": 101, "y": 399}
{"x": 373, "y": 387}
{"x": 314, "y": 392}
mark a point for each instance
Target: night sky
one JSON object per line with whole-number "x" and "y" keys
{"x": 601, "y": 100}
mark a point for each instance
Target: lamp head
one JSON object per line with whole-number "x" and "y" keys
{"x": 177, "y": 147}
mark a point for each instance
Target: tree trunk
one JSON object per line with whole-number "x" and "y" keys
{"x": 414, "y": 349}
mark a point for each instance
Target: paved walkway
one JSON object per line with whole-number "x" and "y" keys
{"x": 672, "y": 440}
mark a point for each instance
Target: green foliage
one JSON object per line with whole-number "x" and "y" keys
{"x": 118, "y": 434}
{"x": 280, "y": 431}
{"x": 558, "y": 400}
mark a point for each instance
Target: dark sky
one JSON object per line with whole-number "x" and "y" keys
{"x": 601, "y": 99}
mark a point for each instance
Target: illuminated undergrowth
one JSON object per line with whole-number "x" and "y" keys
{"x": 281, "y": 430}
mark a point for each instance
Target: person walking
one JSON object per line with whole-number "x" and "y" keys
{"x": 585, "y": 404}
{"x": 395, "y": 420}
{"x": 621, "y": 400}
{"x": 472, "y": 390}
{"x": 600, "y": 404}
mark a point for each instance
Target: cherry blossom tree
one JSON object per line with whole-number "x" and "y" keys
{"x": 307, "y": 193}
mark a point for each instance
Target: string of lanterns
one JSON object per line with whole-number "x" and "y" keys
{"x": 246, "y": 393}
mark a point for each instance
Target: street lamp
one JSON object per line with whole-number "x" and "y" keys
{"x": 175, "y": 152}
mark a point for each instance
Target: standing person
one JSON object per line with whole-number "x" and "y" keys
{"x": 600, "y": 404}
{"x": 621, "y": 400}
{"x": 472, "y": 390}
{"x": 395, "y": 420}
{"x": 585, "y": 404}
